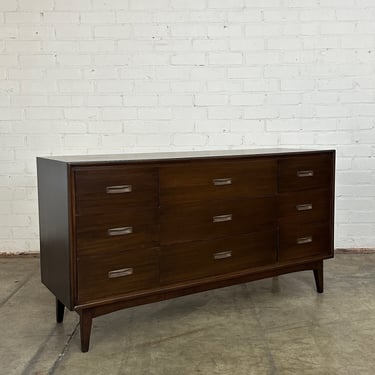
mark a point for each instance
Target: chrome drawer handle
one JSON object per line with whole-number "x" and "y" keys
{"x": 304, "y": 207}
{"x": 118, "y": 189}
{"x": 305, "y": 173}
{"x": 303, "y": 240}
{"x": 222, "y": 181}
{"x": 222, "y": 255}
{"x": 221, "y": 218}
{"x": 120, "y": 231}
{"x": 120, "y": 273}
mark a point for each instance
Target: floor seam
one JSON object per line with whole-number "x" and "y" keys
{"x": 274, "y": 370}
{"x": 60, "y": 356}
{"x": 18, "y": 287}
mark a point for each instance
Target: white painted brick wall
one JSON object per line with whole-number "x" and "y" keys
{"x": 103, "y": 76}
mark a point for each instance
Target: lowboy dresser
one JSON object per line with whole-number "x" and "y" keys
{"x": 123, "y": 230}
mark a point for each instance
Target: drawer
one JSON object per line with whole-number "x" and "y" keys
{"x": 214, "y": 219}
{"x": 134, "y": 227}
{"x": 307, "y": 172}
{"x": 112, "y": 188}
{"x": 304, "y": 206}
{"x": 200, "y": 259}
{"x": 107, "y": 275}
{"x": 200, "y": 181}
{"x": 300, "y": 241}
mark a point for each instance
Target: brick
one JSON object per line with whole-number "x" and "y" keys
{"x": 22, "y": 46}
{"x": 112, "y": 32}
{"x": 175, "y": 100}
{"x": 190, "y": 139}
{"x": 74, "y": 60}
{"x": 188, "y": 59}
{"x": 104, "y": 100}
{"x": 146, "y": 4}
{"x": 44, "y": 113}
{"x": 61, "y": 17}
{"x": 119, "y": 113}
{"x": 68, "y": 31}
{"x": 37, "y": 60}
{"x": 76, "y": 86}
{"x": 73, "y": 5}
{"x": 210, "y": 100}
{"x": 110, "y": 4}
{"x": 154, "y": 113}
{"x": 153, "y": 140}
{"x": 60, "y": 46}
{"x": 37, "y": 5}
{"x": 8, "y": 5}
{"x": 192, "y": 4}
{"x": 140, "y": 100}
{"x": 225, "y": 58}
{"x": 227, "y": 4}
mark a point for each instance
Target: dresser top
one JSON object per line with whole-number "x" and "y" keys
{"x": 161, "y": 156}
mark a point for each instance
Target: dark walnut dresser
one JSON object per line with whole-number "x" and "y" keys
{"x": 124, "y": 230}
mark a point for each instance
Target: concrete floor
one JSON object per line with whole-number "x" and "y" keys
{"x": 272, "y": 326}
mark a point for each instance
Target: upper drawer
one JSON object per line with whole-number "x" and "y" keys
{"x": 305, "y": 172}
{"x": 111, "y": 188}
{"x": 202, "y": 180}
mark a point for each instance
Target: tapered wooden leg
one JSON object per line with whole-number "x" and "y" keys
{"x": 318, "y": 275}
{"x": 85, "y": 329}
{"x": 59, "y": 311}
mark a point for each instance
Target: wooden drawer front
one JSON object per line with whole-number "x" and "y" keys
{"x": 200, "y": 181}
{"x": 307, "y": 172}
{"x": 300, "y": 241}
{"x": 199, "y": 259}
{"x": 304, "y": 206}
{"x": 132, "y": 228}
{"x": 215, "y": 219}
{"x": 109, "y": 189}
{"x": 116, "y": 273}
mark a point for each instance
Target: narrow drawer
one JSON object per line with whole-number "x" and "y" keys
{"x": 300, "y": 241}
{"x": 200, "y": 181}
{"x": 214, "y": 219}
{"x": 200, "y": 259}
{"x": 116, "y": 273}
{"x": 112, "y": 188}
{"x": 133, "y": 227}
{"x": 306, "y": 172}
{"x": 304, "y": 206}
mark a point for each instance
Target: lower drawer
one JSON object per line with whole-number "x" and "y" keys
{"x": 304, "y": 240}
{"x": 194, "y": 260}
{"x": 116, "y": 273}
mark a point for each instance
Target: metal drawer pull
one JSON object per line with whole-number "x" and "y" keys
{"x": 304, "y": 207}
{"x": 120, "y": 273}
{"x": 222, "y": 181}
{"x": 305, "y": 173}
{"x": 303, "y": 240}
{"x": 120, "y": 231}
{"x": 119, "y": 189}
{"x": 220, "y": 218}
{"x": 222, "y": 255}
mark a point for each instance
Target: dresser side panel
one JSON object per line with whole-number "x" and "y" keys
{"x": 54, "y": 228}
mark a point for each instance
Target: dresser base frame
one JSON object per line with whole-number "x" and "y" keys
{"x": 92, "y": 310}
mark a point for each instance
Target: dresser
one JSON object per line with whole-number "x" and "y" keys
{"x": 123, "y": 230}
